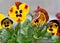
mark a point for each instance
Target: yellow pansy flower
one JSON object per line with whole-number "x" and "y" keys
{"x": 6, "y": 23}
{"x": 18, "y": 11}
{"x": 52, "y": 27}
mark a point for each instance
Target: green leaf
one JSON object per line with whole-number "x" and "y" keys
{"x": 11, "y": 31}
{"x": 12, "y": 40}
{"x": 57, "y": 40}
{"x": 20, "y": 38}
{"x": 30, "y": 32}
{"x": 43, "y": 31}
{"x": 0, "y": 31}
{"x": 1, "y": 39}
{"x": 5, "y": 35}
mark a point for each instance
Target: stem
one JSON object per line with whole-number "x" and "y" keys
{"x": 17, "y": 28}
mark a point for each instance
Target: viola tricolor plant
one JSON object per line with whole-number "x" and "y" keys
{"x": 36, "y": 29}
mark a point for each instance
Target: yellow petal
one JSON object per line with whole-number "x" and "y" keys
{"x": 1, "y": 18}
{"x": 25, "y": 8}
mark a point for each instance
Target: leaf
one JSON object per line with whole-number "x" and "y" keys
{"x": 57, "y": 40}
{"x": 0, "y": 31}
{"x": 11, "y": 31}
{"x": 43, "y": 32}
{"x": 12, "y": 40}
{"x": 1, "y": 39}
{"x": 5, "y": 35}
{"x": 20, "y": 38}
{"x": 30, "y": 32}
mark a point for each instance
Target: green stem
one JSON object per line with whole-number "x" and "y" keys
{"x": 17, "y": 28}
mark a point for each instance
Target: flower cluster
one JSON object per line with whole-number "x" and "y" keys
{"x": 17, "y": 12}
{"x": 30, "y": 31}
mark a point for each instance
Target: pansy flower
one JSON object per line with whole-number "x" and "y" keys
{"x": 41, "y": 16}
{"x": 2, "y": 16}
{"x": 6, "y": 23}
{"x": 18, "y": 11}
{"x": 52, "y": 27}
{"x": 58, "y": 17}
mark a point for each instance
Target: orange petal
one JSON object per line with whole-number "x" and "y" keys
{"x": 19, "y": 20}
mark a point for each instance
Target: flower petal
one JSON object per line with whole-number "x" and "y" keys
{"x": 2, "y": 16}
